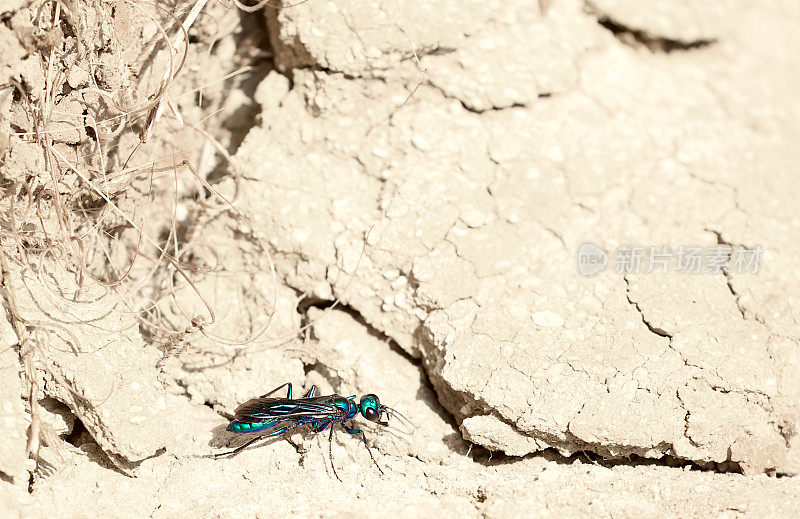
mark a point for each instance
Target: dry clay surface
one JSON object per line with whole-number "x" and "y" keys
{"x": 474, "y": 195}
{"x": 435, "y": 166}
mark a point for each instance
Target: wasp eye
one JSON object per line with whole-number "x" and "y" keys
{"x": 371, "y": 414}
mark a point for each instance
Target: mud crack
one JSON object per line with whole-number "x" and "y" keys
{"x": 650, "y": 326}
{"x": 638, "y": 38}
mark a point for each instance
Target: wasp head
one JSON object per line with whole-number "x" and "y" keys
{"x": 372, "y": 409}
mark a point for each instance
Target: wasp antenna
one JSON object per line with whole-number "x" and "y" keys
{"x": 402, "y": 418}
{"x": 395, "y": 412}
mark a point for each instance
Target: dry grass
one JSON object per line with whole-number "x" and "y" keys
{"x": 72, "y": 214}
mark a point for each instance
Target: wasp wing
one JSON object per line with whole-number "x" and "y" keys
{"x": 263, "y": 409}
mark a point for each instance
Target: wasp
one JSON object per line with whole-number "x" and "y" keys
{"x": 268, "y": 416}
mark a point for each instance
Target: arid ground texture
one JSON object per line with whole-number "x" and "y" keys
{"x": 561, "y": 237}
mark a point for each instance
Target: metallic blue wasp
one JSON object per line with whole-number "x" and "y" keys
{"x": 267, "y": 417}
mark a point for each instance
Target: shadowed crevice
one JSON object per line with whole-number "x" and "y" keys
{"x": 638, "y": 38}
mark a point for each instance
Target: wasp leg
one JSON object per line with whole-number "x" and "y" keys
{"x": 240, "y": 448}
{"x": 321, "y": 425}
{"x": 353, "y": 430}
{"x": 237, "y": 450}
{"x": 288, "y": 392}
{"x": 311, "y": 393}
{"x": 330, "y": 454}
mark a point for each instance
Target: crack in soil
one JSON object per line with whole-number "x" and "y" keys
{"x": 638, "y": 38}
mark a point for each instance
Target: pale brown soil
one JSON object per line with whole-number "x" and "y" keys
{"x": 201, "y": 203}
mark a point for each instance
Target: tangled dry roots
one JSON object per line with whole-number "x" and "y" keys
{"x": 92, "y": 169}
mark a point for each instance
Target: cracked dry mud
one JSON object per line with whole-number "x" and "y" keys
{"x": 434, "y": 168}
{"x": 473, "y": 220}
